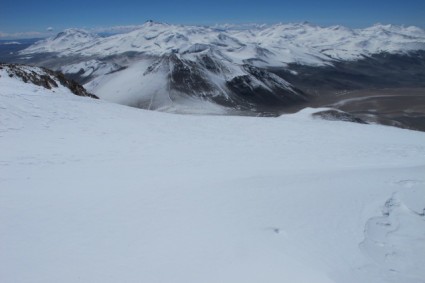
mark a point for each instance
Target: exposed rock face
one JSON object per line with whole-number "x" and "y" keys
{"x": 76, "y": 88}
{"x": 337, "y": 115}
{"x": 45, "y": 78}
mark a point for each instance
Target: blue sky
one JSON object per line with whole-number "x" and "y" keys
{"x": 29, "y": 17}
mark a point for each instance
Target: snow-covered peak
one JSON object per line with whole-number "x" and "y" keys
{"x": 76, "y": 34}
{"x": 151, "y": 23}
{"x": 303, "y": 43}
{"x": 69, "y": 39}
{"x": 248, "y": 26}
{"x": 393, "y": 30}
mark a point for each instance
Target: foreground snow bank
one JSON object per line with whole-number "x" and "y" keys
{"x": 97, "y": 192}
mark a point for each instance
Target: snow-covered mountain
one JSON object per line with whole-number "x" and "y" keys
{"x": 93, "y": 191}
{"x": 67, "y": 40}
{"x": 273, "y": 45}
{"x": 202, "y": 85}
{"x": 215, "y": 69}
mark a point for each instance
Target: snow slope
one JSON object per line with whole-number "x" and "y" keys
{"x": 170, "y": 84}
{"x": 89, "y": 68}
{"x": 97, "y": 192}
{"x": 137, "y": 87}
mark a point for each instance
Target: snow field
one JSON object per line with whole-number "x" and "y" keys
{"x": 97, "y": 192}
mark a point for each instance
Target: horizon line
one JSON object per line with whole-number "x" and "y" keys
{"x": 118, "y": 29}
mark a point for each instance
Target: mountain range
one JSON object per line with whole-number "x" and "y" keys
{"x": 254, "y": 70}
{"x": 274, "y": 45}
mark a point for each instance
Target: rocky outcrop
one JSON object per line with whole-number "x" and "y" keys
{"x": 337, "y": 115}
{"x": 45, "y": 78}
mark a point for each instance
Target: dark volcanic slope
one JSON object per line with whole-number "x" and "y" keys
{"x": 400, "y": 107}
{"x": 258, "y": 91}
{"x": 385, "y": 88}
{"x": 378, "y": 71}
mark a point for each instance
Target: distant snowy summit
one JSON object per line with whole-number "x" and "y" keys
{"x": 270, "y": 45}
{"x": 67, "y": 39}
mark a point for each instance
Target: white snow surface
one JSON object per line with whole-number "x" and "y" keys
{"x": 271, "y": 45}
{"x": 69, "y": 39}
{"x": 90, "y": 68}
{"x": 92, "y": 191}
